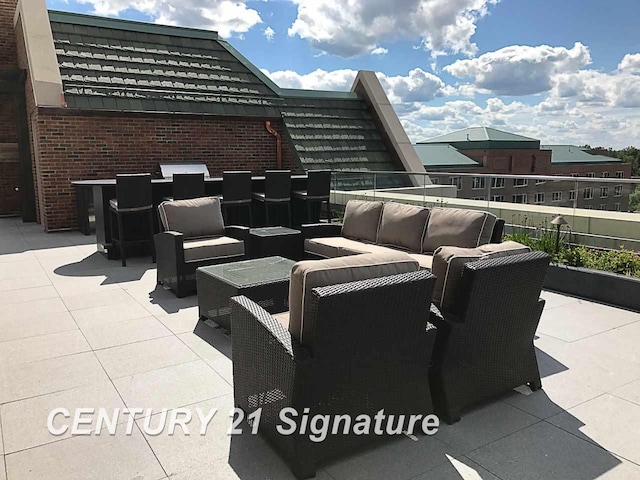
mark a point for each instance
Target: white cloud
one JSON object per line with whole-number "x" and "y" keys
{"x": 592, "y": 87}
{"x": 357, "y": 27}
{"x": 519, "y": 69}
{"x": 417, "y": 86}
{"x": 269, "y": 33}
{"x": 630, "y": 63}
{"x": 224, "y": 16}
{"x": 379, "y": 51}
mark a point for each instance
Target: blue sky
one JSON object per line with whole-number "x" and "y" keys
{"x": 563, "y": 71}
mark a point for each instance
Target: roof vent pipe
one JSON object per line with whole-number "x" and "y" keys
{"x": 276, "y": 134}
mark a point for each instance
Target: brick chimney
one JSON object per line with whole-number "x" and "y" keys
{"x": 8, "y": 55}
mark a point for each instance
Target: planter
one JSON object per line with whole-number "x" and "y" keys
{"x": 605, "y": 287}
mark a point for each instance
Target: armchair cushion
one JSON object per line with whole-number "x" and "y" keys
{"x": 403, "y": 226}
{"x": 213, "y": 247}
{"x": 361, "y": 220}
{"x": 457, "y": 227}
{"x": 449, "y": 262}
{"x": 310, "y": 274}
{"x": 198, "y": 217}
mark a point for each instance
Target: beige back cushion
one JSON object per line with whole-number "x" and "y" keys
{"x": 403, "y": 226}
{"x": 448, "y": 265}
{"x": 457, "y": 227}
{"x": 361, "y": 220}
{"x": 198, "y": 217}
{"x": 309, "y": 274}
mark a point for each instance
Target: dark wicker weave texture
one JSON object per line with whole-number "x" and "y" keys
{"x": 372, "y": 349}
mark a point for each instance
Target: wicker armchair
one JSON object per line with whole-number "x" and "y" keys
{"x": 195, "y": 236}
{"x": 371, "y": 351}
{"x": 485, "y": 347}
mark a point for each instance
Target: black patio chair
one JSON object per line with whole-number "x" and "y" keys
{"x": 187, "y": 186}
{"x": 277, "y": 192}
{"x": 317, "y": 192}
{"x": 133, "y": 197}
{"x": 236, "y": 192}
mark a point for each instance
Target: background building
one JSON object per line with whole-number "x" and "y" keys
{"x": 490, "y": 151}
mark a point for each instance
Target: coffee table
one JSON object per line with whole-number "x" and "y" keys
{"x": 280, "y": 241}
{"x": 263, "y": 280}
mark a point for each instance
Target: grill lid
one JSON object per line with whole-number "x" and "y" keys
{"x": 167, "y": 170}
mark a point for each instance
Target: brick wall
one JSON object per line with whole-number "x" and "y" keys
{"x": 8, "y": 57}
{"x": 75, "y": 146}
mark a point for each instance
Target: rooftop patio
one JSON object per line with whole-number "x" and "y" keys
{"x": 78, "y": 330}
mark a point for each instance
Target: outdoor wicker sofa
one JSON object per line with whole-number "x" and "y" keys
{"x": 374, "y": 227}
{"x": 194, "y": 236}
{"x": 485, "y": 330}
{"x": 378, "y": 306}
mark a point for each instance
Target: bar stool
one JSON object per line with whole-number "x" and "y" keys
{"x": 133, "y": 196}
{"x": 277, "y": 191}
{"x": 236, "y": 192}
{"x": 318, "y": 191}
{"x": 187, "y": 186}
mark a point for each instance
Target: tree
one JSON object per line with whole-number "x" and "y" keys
{"x": 634, "y": 201}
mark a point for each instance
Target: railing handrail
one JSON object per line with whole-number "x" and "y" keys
{"x": 632, "y": 181}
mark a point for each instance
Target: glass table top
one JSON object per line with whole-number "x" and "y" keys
{"x": 273, "y": 231}
{"x": 252, "y": 272}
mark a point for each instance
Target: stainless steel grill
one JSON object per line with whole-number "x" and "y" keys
{"x": 167, "y": 170}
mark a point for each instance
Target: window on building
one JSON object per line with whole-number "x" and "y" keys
{"x": 617, "y": 192}
{"x": 604, "y": 192}
{"x": 616, "y": 207}
{"x": 619, "y": 174}
{"x": 497, "y": 198}
{"x": 497, "y": 183}
{"x": 457, "y": 181}
{"x": 588, "y": 193}
{"x": 605, "y": 174}
{"x": 540, "y": 182}
{"x": 590, "y": 175}
{"x": 435, "y": 181}
{"x": 572, "y": 195}
{"x": 477, "y": 198}
{"x": 540, "y": 197}
{"x": 478, "y": 183}
{"x": 556, "y": 196}
{"x": 602, "y": 206}
{"x": 520, "y": 182}
{"x": 589, "y": 207}
{"x": 519, "y": 198}
{"x": 575, "y": 174}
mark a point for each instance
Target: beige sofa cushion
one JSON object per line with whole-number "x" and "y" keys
{"x": 215, "y": 247}
{"x": 198, "y": 217}
{"x": 310, "y": 274}
{"x": 361, "y": 220}
{"x": 403, "y": 226}
{"x": 425, "y": 261}
{"x": 457, "y": 227}
{"x": 448, "y": 265}
{"x": 331, "y": 247}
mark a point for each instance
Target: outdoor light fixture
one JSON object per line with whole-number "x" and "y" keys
{"x": 559, "y": 221}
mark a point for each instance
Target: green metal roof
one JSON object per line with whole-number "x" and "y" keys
{"x": 563, "y": 154}
{"x": 112, "y": 64}
{"x": 435, "y": 156}
{"x": 484, "y": 138}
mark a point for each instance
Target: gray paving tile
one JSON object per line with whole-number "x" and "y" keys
{"x": 544, "y": 451}
{"x": 620, "y": 342}
{"x": 553, "y": 299}
{"x": 124, "y": 332}
{"x": 21, "y": 269}
{"x": 24, "y": 327}
{"x": 400, "y": 458}
{"x": 484, "y": 425}
{"x": 457, "y": 469}
{"x": 27, "y": 295}
{"x": 3, "y": 474}
{"x": 172, "y": 387}
{"x": 30, "y": 310}
{"x": 184, "y": 321}
{"x": 48, "y": 376}
{"x": 135, "y": 358}
{"x": 89, "y": 317}
{"x": 630, "y": 392}
{"x": 102, "y": 457}
{"x": 1, "y": 437}
{"x": 608, "y": 421}
{"x": 38, "y": 348}
{"x": 39, "y": 280}
{"x": 80, "y": 301}
{"x": 25, "y": 421}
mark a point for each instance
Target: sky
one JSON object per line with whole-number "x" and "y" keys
{"x": 562, "y": 71}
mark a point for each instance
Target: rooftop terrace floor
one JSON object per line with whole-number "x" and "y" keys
{"x": 77, "y": 330}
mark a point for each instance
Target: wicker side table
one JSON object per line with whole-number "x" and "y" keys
{"x": 263, "y": 280}
{"x": 280, "y": 241}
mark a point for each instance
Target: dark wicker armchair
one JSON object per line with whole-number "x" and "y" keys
{"x": 195, "y": 236}
{"x": 372, "y": 345}
{"x": 485, "y": 347}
